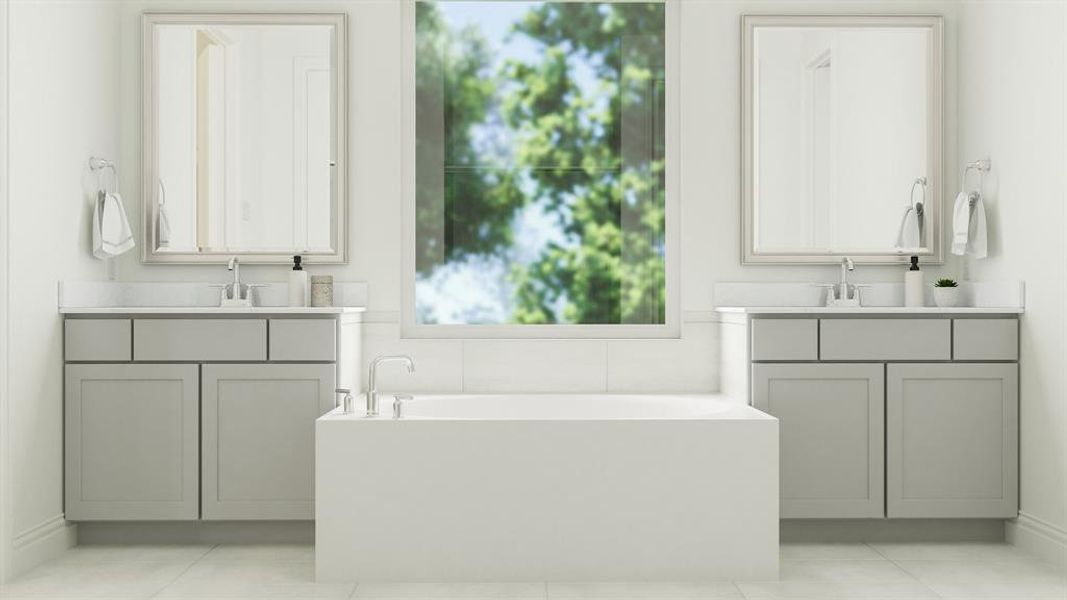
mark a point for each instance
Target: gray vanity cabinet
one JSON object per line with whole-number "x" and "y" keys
{"x": 199, "y": 416}
{"x": 832, "y": 436}
{"x": 898, "y": 416}
{"x": 258, "y": 438}
{"x": 952, "y": 442}
{"x": 132, "y": 442}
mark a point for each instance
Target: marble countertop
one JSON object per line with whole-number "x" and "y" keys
{"x": 211, "y": 310}
{"x": 871, "y": 310}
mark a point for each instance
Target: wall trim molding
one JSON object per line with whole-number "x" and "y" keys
{"x": 1039, "y": 537}
{"x": 5, "y": 467}
{"x": 40, "y": 543}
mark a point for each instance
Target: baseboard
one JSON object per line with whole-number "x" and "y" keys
{"x": 891, "y": 530}
{"x": 1039, "y": 537}
{"x": 196, "y": 532}
{"x": 41, "y": 543}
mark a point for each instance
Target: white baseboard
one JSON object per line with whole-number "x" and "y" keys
{"x": 41, "y": 543}
{"x": 1039, "y": 537}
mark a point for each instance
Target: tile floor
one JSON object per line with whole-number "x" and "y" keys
{"x": 808, "y": 571}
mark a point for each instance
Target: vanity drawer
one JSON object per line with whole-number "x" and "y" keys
{"x": 303, "y": 340}
{"x": 985, "y": 339}
{"x": 97, "y": 339}
{"x": 885, "y": 339}
{"x": 200, "y": 339}
{"x": 785, "y": 339}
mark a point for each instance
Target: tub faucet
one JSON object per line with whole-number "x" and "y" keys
{"x": 372, "y": 382}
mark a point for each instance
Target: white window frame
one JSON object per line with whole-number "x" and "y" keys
{"x": 670, "y": 329}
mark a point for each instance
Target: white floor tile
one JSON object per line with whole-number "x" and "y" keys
{"x": 828, "y": 552}
{"x": 798, "y": 590}
{"x": 104, "y": 580}
{"x": 253, "y": 580}
{"x": 951, "y": 551}
{"x": 838, "y": 579}
{"x": 450, "y": 590}
{"x": 260, "y": 553}
{"x": 563, "y": 590}
{"x": 99, "y": 554}
{"x": 986, "y": 579}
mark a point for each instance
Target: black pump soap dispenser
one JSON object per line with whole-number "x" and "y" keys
{"x": 913, "y": 284}
{"x": 298, "y": 284}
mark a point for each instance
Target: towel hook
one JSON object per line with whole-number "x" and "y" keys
{"x": 981, "y": 167}
{"x": 99, "y": 165}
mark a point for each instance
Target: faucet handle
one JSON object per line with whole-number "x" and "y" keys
{"x": 858, "y": 294}
{"x": 831, "y": 294}
{"x": 398, "y": 404}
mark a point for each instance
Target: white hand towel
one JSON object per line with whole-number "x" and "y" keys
{"x": 164, "y": 227}
{"x": 111, "y": 229}
{"x": 961, "y": 224}
{"x": 908, "y": 235}
{"x": 163, "y": 231}
{"x": 976, "y": 233}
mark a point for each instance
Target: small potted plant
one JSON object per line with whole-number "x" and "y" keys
{"x": 946, "y": 292}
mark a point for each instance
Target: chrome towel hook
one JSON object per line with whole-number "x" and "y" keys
{"x": 981, "y": 167}
{"x": 99, "y": 166}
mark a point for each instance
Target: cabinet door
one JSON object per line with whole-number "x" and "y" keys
{"x": 258, "y": 439}
{"x": 131, "y": 442}
{"x": 831, "y": 424}
{"x": 953, "y": 432}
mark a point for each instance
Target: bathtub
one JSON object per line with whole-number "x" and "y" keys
{"x": 578, "y": 487}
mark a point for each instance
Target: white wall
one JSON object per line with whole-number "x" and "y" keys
{"x": 63, "y": 100}
{"x": 710, "y": 198}
{"x": 1012, "y": 107}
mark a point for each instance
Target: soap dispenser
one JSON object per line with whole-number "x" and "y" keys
{"x": 298, "y": 284}
{"x": 913, "y": 284}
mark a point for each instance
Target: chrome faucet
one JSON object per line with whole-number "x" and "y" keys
{"x": 236, "y": 294}
{"x": 235, "y": 287}
{"x": 372, "y": 382}
{"x": 846, "y": 266}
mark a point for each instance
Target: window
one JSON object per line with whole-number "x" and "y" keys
{"x": 540, "y": 171}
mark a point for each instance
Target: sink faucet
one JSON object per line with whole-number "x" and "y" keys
{"x": 372, "y": 385}
{"x": 235, "y": 287}
{"x": 846, "y": 266}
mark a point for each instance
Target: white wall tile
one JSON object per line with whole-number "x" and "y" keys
{"x": 438, "y": 363}
{"x": 534, "y": 366}
{"x": 688, "y": 365}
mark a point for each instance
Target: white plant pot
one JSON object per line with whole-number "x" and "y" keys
{"x": 947, "y": 297}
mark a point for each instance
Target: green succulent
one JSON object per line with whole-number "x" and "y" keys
{"x": 946, "y": 283}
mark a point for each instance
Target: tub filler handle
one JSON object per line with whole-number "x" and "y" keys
{"x": 398, "y": 404}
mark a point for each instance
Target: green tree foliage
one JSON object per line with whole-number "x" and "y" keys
{"x": 593, "y": 156}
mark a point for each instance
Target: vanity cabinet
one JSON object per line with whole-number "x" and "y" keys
{"x": 952, "y": 440}
{"x": 258, "y": 438}
{"x": 911, "y": 415}
{"x": 193, "y": 417}
{"x": 132, "y": 437}
{"x": 831, "y": 424}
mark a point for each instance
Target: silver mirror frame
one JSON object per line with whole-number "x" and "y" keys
{"x": 935, "y": 142}
{"x": 149, "y": 95}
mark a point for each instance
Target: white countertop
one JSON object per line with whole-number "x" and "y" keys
{"x": 211, "y": 310}
{"x": 871, "y": 310}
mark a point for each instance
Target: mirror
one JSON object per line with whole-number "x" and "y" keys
{"x": 244, "y": 137}
{"x": 841, "y": 146}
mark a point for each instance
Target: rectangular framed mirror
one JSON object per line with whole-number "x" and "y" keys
{"x": 841, "y": 139}
{"x": 244, "y": 137}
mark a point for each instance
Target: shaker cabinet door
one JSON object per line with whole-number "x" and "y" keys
{"x": 258, "y": 441}
{"x": 131, "y": 442}
{"x": 831, "y": 424}
{"x": 953, "y": 434}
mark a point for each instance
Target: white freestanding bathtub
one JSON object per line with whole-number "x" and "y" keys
{"x": 548, "y": 487}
